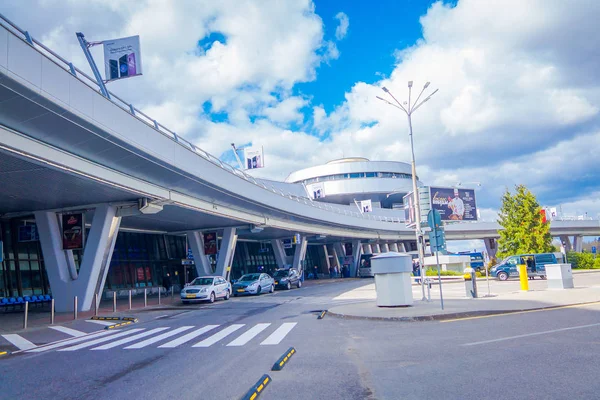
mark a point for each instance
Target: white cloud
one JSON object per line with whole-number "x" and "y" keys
{"x": 342, "y": 29}
{"x": 287, "y": 110}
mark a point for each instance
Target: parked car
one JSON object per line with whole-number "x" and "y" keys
{"x": 286, "y": 278}
{"x": 206, "y": 288}
{"x": 256, "y": 283}
{"x": 535, "y": 267}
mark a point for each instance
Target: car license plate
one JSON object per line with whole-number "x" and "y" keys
{"x": 240, "y": 290}
{"x": 190, "y": 296}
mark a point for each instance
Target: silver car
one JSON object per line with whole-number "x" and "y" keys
{"x": 256, "y": 283}
{"x": 206, "y": 288}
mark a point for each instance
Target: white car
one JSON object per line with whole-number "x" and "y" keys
{"x": 206, "y": 288}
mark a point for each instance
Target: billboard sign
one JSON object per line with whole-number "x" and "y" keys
{"x": 73, "y": 231}
{"x": 318, "y": 190}
{"x": 254, "y": 157}
{"x": 409, "y": 210}
{"x": 210, "y": 243}
{"x": 122, "y": 58}
{"x": 454, "y": 204}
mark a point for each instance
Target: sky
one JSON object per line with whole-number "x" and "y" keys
{"x": 518, "y": 80}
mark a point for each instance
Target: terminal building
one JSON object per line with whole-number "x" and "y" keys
{"x": 143, "y": 198}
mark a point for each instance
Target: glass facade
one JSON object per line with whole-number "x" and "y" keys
{"x": 139, "y": 260}
{"x": 356, "y": 175}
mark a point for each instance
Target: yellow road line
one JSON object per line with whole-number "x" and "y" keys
{"x": 521, "y": 312}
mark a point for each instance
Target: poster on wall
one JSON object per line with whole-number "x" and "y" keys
{"x": 318, "y": 190}
{"x": 122, "y": 58}
{"x": 28, "y": 233}
{"x": 254, "y": 157}
{"x": 210, "y": 243}
{"x": 454, "y": 204}
{"x": 73, "y": 231}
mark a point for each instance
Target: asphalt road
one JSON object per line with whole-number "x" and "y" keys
{"x": 547, "y": 354}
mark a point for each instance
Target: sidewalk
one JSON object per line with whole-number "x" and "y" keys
{"x": 39, "y": 316}
{"x": 506, "y": 297}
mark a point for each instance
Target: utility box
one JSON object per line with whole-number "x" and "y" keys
{"x": 559, "y": 276}
{"x": 393, "y": 282}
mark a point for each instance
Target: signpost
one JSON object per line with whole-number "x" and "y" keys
{"x": 437, "y": 242}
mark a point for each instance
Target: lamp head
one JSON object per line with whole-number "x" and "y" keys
{"x": 410, "y": 83}
{"x": 385, "y": 89}
{"x": 426, "y": 85}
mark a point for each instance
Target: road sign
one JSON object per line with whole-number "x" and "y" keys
{"x": 190, "y": 255}
{"x": 434, "y": 219}
{"x": 287, "y": 243}
{"x": 594, "y": 249}
{"x": 437, "y": 238}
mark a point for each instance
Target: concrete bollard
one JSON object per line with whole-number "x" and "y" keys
{"x": 96, "y": 304}
{"x": 145, "y": 298}
{"x": 52, "y": 312}
{"x": 159, "y": 295}
{"x": 130, "y": 299}
{"x": 115, "y": 302}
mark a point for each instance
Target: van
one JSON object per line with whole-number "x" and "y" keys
{"x": 476, "y": 259}
{"x": 364, "y": 269}
{"x": 536, "y": 266}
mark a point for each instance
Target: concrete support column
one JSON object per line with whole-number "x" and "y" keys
{"x": 567, "y": 243}
{"x": 393, "y": 247}
{"x": 299, "y": 254}
{"x": 356, "y": 253}
{"x": 385, "y": 248}
{"x": 376, "y": 248}
{"x": 279, "y": 252}
{"x": 64, "y": 281}
{"x": 327, "y": 260}
{"x": 578, "y": 243}
{"x": 401, "y": 247}
{"x": 491, "y": 247}
{"x": 226, "y": 252}
{"x": 201, "y": 261}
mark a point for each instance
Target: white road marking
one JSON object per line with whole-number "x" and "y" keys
{"x": 158, "y": 338}
{"x": 105, "y": 323}
{"x": 530, "y": 334}
{"x": 281, "y": 332}
{"x": 186, "y": 338}
{"x": 68, "y": 331}
{"x": 70, "y": 341}
{"x": 19, "y": 341}
{"x": 249, "y": 335}
{"x": 130, "y": 339}
{"x": 101, "y": 340}
{"x": 218, "y": 336}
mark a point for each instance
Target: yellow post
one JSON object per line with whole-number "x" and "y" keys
{"x": 523, "y": 277}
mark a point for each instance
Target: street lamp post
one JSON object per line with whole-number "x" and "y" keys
{"x": 409, "y": 110}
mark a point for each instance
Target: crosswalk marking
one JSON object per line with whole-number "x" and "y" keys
{"x": 101, "y": 340}
{"x": 249, "y": 335}
{"x": 104, "y": 323}
{"x": 19, "y": 341}
{"x": 130, "y": 339}
{"x": 218, "y": 336}
{"x": 186, "y": 338}
{"x": 158, "y": 338}
{"x": 281, "y": 332}
{"x": 70, "y": 341}
{"x": 68, "y": 331}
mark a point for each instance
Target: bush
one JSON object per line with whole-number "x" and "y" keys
{"x": 597, "y": 263}
{"x": 433, "y": 272}
{"x": 582, "y": 260}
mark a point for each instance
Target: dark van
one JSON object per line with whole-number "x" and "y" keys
{"x": 536, "y": 265}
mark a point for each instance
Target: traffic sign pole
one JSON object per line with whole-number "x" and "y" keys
{"x": 434, "y": 220}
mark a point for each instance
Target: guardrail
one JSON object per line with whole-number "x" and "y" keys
{"x": 140, "y": 115}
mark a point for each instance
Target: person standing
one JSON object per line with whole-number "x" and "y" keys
{"x": 316, "y": 272}
{"x": 167, "y": 282}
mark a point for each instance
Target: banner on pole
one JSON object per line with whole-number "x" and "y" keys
{"x": 254, "y": 157}
{"x": 122, "y": 58}
{"x": 318, "y": 190}
{"x": 73, "y": 231}
{"x": 210, "y": 243}
{"x": 366, "y": 206}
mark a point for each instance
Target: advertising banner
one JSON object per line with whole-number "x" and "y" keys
{"x": 366, "y": 206}
{"x": 454, "y": 204}
{"x": 210, "y": 243}
{"x": 122, "y": 58}
{"x": 73, "y": 231}
{"x": 254, "y": 157}
{"x": 318, "y": 190}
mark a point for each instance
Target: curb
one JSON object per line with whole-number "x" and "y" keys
{"x": 454, "y": 316}
{"x": 257, "y": 389}
{"x": 120, "y": 324}
{"x": 280, "y": 363}
{"x": 4, "y": 353}
{"x": 97, "y": 318}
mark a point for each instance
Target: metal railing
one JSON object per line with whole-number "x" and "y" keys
{"x": 151, "y": 122}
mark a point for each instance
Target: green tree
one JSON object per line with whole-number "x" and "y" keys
{"x": 524, "y": 229}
